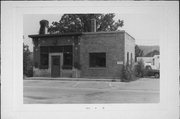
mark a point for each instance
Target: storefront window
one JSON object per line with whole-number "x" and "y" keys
{"x": 67, "y": 55}
{"x": 44, "y": 59}
{"x": 67, "y": 61}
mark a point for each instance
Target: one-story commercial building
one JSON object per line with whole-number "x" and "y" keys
{"x": 94, "y": 54}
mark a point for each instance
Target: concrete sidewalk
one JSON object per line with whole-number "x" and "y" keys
{"x": 70, "y": 79}
{"x": 140, "y": 84}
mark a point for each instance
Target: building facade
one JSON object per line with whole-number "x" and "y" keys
{"x": 94, "y": 54}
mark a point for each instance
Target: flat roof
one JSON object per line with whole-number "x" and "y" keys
{"x": 75, "y": 34}
{"x": 54, "y": 35}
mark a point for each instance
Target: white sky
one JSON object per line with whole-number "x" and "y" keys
{"x": 143, "y": 27}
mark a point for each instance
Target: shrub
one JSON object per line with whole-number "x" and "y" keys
{"x": 139, "y": 69}
{"x": 128, "y": 73}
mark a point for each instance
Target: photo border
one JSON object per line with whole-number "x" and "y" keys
{"x": 12, "y": 65}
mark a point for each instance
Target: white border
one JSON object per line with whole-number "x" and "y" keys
{"x": 12, "y": 82}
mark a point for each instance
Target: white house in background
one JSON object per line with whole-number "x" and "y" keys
{"x": 151, "y": 61}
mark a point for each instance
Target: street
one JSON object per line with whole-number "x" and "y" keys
{"x": 145, "y": 90}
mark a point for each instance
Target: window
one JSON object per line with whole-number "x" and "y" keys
{"x": 127, "y": 58}
{"x": 67, "y": 48}
{"x": 67, "y": 61}
{"x": 44, "y": 49}
{"x": 97, "y": 59}
{"x": 44, "y": 59}
{"x": 67, "y": 57}
{"x": 56, "y": 49}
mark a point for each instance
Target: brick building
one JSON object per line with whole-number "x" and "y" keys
{"x": 95, "y": 54}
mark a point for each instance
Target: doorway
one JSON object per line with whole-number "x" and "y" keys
{"x": 55, "y": 64}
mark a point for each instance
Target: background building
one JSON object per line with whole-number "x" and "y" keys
{"x": 154, "y": 61}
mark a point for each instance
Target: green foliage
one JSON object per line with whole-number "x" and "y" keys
{"x": 81, "y": 23}
{"x": 138, "y": 52}
{"x": 27, "y": 63}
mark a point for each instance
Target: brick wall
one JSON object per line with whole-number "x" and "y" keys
{"x": 54, "y": 41}
{"x": 110, "y": 43}
{"x": 129, "y": 47}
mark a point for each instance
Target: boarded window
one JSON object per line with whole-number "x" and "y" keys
{"x": 97, "y": 59}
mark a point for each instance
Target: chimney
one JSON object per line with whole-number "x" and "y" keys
{"x": 93, "y": 25}
{"x": 44, "y": 24}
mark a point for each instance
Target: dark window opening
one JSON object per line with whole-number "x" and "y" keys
{"x": 67, "y": 48}
{"x": 97, "y": 59}
{"x": 56, "y": 49}
{"x": 127, "y": 58}
{"x": 44, "y": 59}
{"x": 67, "y": 60}
{"x": 44, "y": 49}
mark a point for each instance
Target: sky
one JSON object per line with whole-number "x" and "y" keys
{"x": 145, "y": 28}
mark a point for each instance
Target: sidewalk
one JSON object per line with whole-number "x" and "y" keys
{"x": 69, "y": 79}
{"x": 141, "y": 84}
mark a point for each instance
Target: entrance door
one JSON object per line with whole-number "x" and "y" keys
{"x": 55, "y": 66}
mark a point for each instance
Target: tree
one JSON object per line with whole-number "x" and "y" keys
{"x": 27, "y": 63}
{"x": 138, "y": 52}
{"x": 81, "y": 23}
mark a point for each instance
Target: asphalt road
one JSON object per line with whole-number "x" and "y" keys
{"x": 145, "y": 90}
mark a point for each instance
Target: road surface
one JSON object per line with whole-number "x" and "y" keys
{"x": 145, "y": 90}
